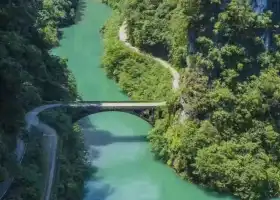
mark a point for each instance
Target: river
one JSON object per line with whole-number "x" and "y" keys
{"x": 126, "y": 168}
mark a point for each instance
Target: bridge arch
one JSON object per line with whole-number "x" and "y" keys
{"x": 144, "y": 110}
{"x": 86, "y": 108}
{"x": 82, "y": 109}
{"x": 146, "y": 115}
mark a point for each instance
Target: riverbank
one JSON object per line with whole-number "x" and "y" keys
{"x": 136, "y": 74}
{"x": 175, "y": 74}
{"x": 117, "y": 141}
{"x": 117, "y": 67}
{"x": 32, "y": 78}
{"x": 225, "y": 96}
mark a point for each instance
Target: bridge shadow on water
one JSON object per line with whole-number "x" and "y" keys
{"x": 98, "y": 137}
{"x": 102, "y": 138}
{"x": 95, "y": 188}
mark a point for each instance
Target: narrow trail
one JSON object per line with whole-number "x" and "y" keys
{"x": 176, "y": 76}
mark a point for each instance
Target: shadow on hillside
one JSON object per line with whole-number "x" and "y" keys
{"x": 157, "y": 50}
{"x": 217, "y": 195}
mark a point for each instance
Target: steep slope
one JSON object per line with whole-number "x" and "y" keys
{"x": 230, "y": 141}
{"x": 175, "y": 74}
{"x": 30, "y": 76}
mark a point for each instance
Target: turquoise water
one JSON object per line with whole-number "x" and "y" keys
{"x": 126, "y": 168}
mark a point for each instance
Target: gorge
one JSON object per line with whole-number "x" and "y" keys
{"x": 124, "y": 170}
{"x": 228, "y": 85}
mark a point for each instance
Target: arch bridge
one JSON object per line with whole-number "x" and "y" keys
{"x": 78, "y": 110}
{"x": 143, "y": 109}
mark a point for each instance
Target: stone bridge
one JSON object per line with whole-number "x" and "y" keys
{"x": 78, "y": 110}
{"x": 144, "y": 109}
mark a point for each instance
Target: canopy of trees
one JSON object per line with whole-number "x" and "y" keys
{"x": 30, "y": 76}
{"x": 136, "y": 74}
{"x": 72, "y": 166}
{"x": 230, "y": 87}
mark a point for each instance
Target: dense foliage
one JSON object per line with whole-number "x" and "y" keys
{"x": 136, "y": 74}
{"x": 28, "y": 181}
{"x": 72, "y": 165}
{"x": 230, "y": 140}
{"x": 30, "y": 76}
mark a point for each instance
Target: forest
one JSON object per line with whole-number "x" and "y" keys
{"x": 29, "y": 77}
{"x": 230, "y": 87}
{"x": 117, "y": 62}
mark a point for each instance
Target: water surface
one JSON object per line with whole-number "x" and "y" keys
{"x": 126, "y": 169}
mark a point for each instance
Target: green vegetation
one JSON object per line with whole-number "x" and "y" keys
{"x": 137, "y": 75}
{"x": 230, "y": 140}
{"x": 28, "y": 181}
{"x": 72, "y": 165}
{"x": 29, "y": 77}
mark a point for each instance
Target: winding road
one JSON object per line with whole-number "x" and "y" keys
{"x": 50, "y": 145}
{"x": 124, "y": 38}
{"x": 31, "y": 119}
{"x": 50, "y": 134}
{"x": 175, "y": 74}
{"x": 51, "y": 138}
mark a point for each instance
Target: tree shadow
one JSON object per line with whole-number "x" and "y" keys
{"x": 96, "y": 190}
{"x": 80, "y": 12}
{"x": 93, "y": 153}
{"x": 85, "y": 123}
{"x": 60, "y": 35}
{"x": 158, "y": 50}
{"x": 217, "y": 195}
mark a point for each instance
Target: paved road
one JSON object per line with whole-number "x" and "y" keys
{"x": 50, "y": 145}
{"x": 51, "y": 139}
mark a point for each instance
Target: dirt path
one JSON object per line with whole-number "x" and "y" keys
{"x": 176, "y": 76}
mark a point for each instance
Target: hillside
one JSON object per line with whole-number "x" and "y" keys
{"x": 30, "y": 76}
{"x": 230, "y": 86}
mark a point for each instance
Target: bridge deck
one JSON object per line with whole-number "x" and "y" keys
{"x": 118, "y": 105}
{"x": 133, "y": 104}
{"x": 99, "y": 102}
